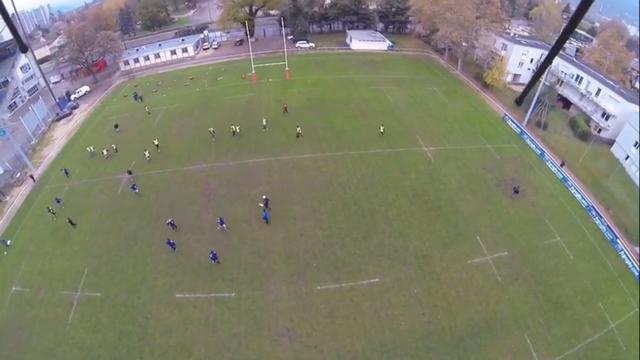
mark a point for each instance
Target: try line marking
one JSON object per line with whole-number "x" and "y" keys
{"x": 289, "y": 157}
{"x": 355, "y": 283}
{"x": 205, "y": 295}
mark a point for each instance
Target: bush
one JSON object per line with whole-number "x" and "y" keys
{"x": 580, "y": 129}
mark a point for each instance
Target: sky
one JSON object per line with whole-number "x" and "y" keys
{"x": 30, "y": 4}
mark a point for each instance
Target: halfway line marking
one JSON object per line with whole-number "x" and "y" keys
{"x": 355, "y": 283}
{"x": 125, "y": 177}
{"x": 491, "y": 148}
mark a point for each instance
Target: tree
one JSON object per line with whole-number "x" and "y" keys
{"x": 297, "y": 17}
{"x": 566, "y": 11}
{"x": 546, "y": 19}
{"x": 102, "y": 18}
{"x": 241, "y": 11}
{"x": 609, "y": 53}
{"x": 633, "y": 45}
{"x": 126, "y": 22}
{"x": 394, "y": 15}
{"x": 458, "y": 24}
{"x": 494, "y": 77}
{"x": 153, "y": 14}
{"x": 85, "y": 46}
{"x": 515, "y": 8}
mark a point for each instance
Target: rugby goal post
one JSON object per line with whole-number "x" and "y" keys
{"x": 254, "y": 75}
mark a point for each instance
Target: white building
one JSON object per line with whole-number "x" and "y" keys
{"x": 33, "y": 18}
{"x": 159, "y": 52}
{"x": 626, "y": 148}
{"x": 608, "y": 104}
{"x": 367, "y": 40}
{"x": 19, "y": 80}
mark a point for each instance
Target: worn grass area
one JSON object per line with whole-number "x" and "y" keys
{"x": 403, "y": 246}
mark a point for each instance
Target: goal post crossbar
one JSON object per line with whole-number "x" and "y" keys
{"x": 270, "y": 64}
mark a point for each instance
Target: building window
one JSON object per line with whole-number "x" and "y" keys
{"x": 136, "y": 60}
{"x": 598, "y": 91}
{"x": 520, "y": 64}
{"x": 28, "y": 78}
{"x": 125, "y": 62}
{"x": 504, "y": 47}
{"x": 25, "y": 68}
{"x": 626, "y": 158}
{"x": 146, "y": 58}
{"x": 636, "y": 145}
{"x": 174, "y": 52}
{"x": 524, "y": 55}
{"x": 4, "y": 83}
{"x": 599, "y": 130}
{"x": 185, "y": 50}
{"x": 12, "y": 106}
{"x": 578, "y": 79}
{"x": 156, "y": 56}
{"x": 531, "y": 61}
{"x": 605, "y": 116}
{"x": 32, "y": 90}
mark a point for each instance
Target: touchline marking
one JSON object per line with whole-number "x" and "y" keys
{"x": 487, "y": 258}
{"x": 594, "y": 337}
{"x": 533, "y": 352}
{"x": 124, "y": 177}
{"x": 425, "y": 148}
{"x": 613, "y": 327}
{"x": 355, "y": 283}
{"x": 205, "y": 295}
{"x": 286, "y": 157}
{"x": 160, "y": 113}
{"x": 490, "y": 148}
{"x": 82, "y": 293}
{"x": 557, "y": 238}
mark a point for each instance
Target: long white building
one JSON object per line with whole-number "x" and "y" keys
{"x": 158, "y": 52}
{"x": 626, "y": 148}
{"x": 608, "y": 104}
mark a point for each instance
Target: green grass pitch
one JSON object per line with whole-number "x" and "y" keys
{"x": 396, "y": 247}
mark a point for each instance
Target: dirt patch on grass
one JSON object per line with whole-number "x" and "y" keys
{"x": 285, "y": 336}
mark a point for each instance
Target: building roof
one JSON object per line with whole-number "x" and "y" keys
{"x": 367, "y": 35}
{"x": 151, "y": 48}
{"x": 594, "y": 73}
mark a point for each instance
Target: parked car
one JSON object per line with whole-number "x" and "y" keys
{"x": 206, "y": 46}
{"x": 72, "y": 105}
{"x": 80, "y": 92}
{"x": 304, "y": 44}
{"x": 62, "y": 115}
{"x": 216, "y": 44}
{"x": 239, "y": 42}
{"x": 54, "y": 79}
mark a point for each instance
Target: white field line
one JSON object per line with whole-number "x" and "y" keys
{"x": 205, "y": 295}
{"x": 160, "y": 113}
{"x": 355, "y": 283}
{"x": 558, "y": 238}
{"x": 80, "y": 294}
{"x": 425, "y": 148}
{"x": 484, "y": 249}
{"x": 533, "y": 352}
{"x": 441, "y": 95}
{"x": 491, "y": 148}
{"x": 602, "y": 255}
{"x": 237, "y": 96}
{"x": 612, "y": 327}
{"x": 77, "y": 296}
{"x": 124, "y": 177}
{"x": 387, "y": 95}
{"x": 15, "y": 287}
{"x": 594, "y": 337}
{"x": 288, "y": 157}
{"x": 482, "y": 259}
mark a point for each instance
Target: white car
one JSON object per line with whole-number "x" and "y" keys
{"x": 80, "y": 92}
{"x": 54, "y": 79}
{"x": 305, "y": 45}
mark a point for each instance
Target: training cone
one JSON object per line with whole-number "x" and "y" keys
{"x": 254, "y": 78}
{"x": 243, "y": 76}
{"x": 287, "y": 74}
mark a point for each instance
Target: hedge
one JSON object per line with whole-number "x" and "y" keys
{"x": 580, "y": 129}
